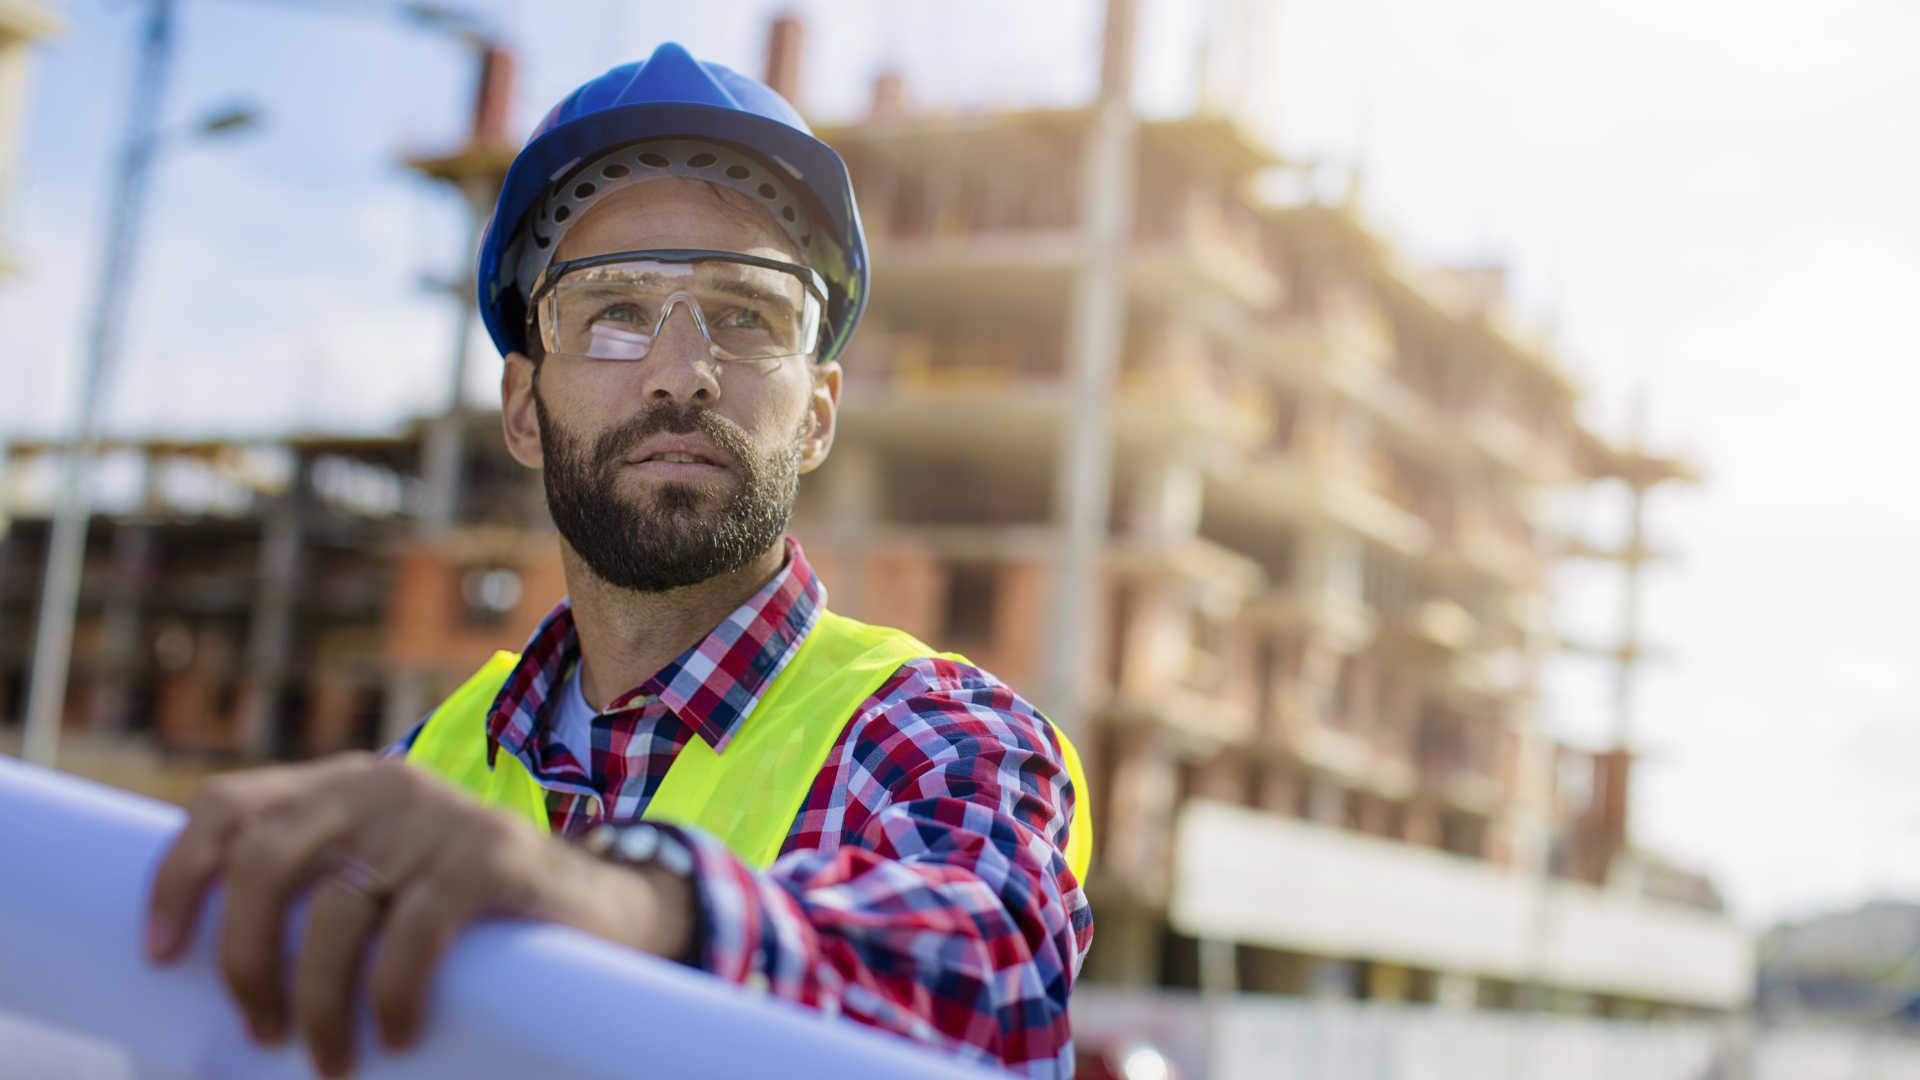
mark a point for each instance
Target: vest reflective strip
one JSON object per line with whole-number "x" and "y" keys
{"x": 750, "y": 795}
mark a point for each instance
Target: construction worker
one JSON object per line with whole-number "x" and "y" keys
{"x": 692, "y": 756}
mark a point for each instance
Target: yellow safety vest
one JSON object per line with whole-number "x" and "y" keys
{"x": 749, "y": 796}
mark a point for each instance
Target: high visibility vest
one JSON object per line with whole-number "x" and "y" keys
{"x": 749, "y": 796}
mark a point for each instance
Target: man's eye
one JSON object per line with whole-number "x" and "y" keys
{"x": 742, "y": 319}
{"x": 622, "y": 313}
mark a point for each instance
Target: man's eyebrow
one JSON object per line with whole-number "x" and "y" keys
{"x": 731, "y": 286}
{"x": 746, "y": 290}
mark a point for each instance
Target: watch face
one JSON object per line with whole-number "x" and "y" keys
{"x": 674, "y": 855}
{"x": 639, "y": 843}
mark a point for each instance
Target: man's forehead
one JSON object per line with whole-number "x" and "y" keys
{"x": 674, "y": 212}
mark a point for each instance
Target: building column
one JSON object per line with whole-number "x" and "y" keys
{"x": 855, "y": 487}
{"x": 1333, "y": 980}
{"x": 1164, "y": 502}
{"x": 1326, "y": 801}
{"x": 1218, "y": 967}
{"x": 1096, "y": 335}
{"x": 1455, "y": 990}
{"x": 404, "y": 705}
{"x": 270, "y": 629}
{"x": 122, "y": 660}
{"x": 1139, "y": 812}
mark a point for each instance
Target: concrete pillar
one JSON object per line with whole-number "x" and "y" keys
{"x": 889, "y": 100}
{"x": 1164, "y": 501}
{"x": 1126, "y": 951}
{"x": 123, "y": 660}
{"x": 786, "y": 43}
{"x": 1326, "y": 801}
{"x": 1376, "y": 816}
{"x": 406, "y": 704}
{"x": 1116, "y": 50}
{"x": 1139, "y": 812}
{"x": 854, "y": 491}
{"x": 1330, "y": 568}
{"x": 329, "y": 717}
{"x": 1455, "y": 990}
{"x": 1278, "y": 790}
{"x": 1388, "y": 982}
{"x": 270, "y": 629}
{"x": 1423, "y": 824}
{"x": 1218, "y": 971}
{"x": 1335, "y": 980}
{"x": 1224, "y": 778}
{"x": 1096, "y": 331}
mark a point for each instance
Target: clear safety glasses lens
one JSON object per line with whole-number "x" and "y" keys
{"x": 615, "y": 310}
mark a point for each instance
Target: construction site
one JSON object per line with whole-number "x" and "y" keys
{"x": 1256, "y": 510}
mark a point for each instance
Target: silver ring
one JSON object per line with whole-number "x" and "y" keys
{"x": 362, "y": 880}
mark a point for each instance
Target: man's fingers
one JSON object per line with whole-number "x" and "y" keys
{"x": 268, "y": 861}
{"x": 193, "y": 860}
{"x": 340, "y": 921}
{"x": 497, "y": 868}
{"x": 198, "y": 854}
{"x": 424, "y": 921}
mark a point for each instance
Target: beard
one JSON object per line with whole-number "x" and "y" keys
{"x": 662, "y": 540}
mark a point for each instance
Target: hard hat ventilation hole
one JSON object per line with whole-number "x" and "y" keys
{"x": 577, "y": 189}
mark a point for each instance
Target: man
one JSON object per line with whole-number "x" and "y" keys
{"x": 692, "y": 756}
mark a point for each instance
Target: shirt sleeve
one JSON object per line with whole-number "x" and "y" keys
{"x": 924, "y": 888}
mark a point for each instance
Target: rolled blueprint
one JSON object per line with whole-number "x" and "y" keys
{"x": 511, "y": 1000}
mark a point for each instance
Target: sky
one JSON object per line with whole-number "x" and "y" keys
{"x": 1708, "y": 205}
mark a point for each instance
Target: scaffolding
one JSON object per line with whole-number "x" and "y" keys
{"x": 1253, "y": 506}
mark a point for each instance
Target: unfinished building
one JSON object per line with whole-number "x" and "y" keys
{"x": 1309, "y": 698}
{"x": 21, "y": 23}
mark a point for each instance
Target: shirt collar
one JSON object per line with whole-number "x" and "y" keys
{"x": 713, "y": 687}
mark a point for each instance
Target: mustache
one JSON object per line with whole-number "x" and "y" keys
{"x": 613, "y": 446}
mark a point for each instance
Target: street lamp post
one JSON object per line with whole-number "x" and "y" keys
{"x": 66, "y": 545}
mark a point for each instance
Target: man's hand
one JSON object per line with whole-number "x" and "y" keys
{"x": 383, "y": 848}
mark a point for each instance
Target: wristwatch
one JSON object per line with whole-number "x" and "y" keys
{"x": 645, "y": 846}
{"x": 640, "y": 845}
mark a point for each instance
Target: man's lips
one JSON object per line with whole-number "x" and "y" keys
{"x": 682, "y": 451}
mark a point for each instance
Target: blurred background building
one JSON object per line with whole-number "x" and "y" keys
{"x": 1844, "y": 967}
{"x": 1264, "y": 514}
{"x": 21, "y": 21}
{"x": 1317, "y": 575}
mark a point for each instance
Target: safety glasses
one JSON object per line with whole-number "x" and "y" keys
{"x": 613, "y": 307}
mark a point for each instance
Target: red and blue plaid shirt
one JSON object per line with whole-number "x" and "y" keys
{"x": 922, "y": 888}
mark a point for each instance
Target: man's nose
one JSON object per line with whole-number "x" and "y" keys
{"x": 680, "y": 365}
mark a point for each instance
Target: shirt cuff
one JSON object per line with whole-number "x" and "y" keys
{"x": 734, "y": 920}
{"x": 651, "y": 847}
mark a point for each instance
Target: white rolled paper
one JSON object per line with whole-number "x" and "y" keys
{"x": 510, "y": 1001}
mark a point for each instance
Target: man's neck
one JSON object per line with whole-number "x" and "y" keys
{"x": 627, "y": 636}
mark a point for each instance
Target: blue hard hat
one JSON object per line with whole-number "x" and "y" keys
{"x": 672, "y": 95}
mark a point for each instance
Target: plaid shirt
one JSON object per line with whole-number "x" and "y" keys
{"x": 922, "y": 888}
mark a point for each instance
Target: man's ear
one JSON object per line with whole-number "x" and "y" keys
{"x": 823, "y": 408}
{"x": 519, "y": 415}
